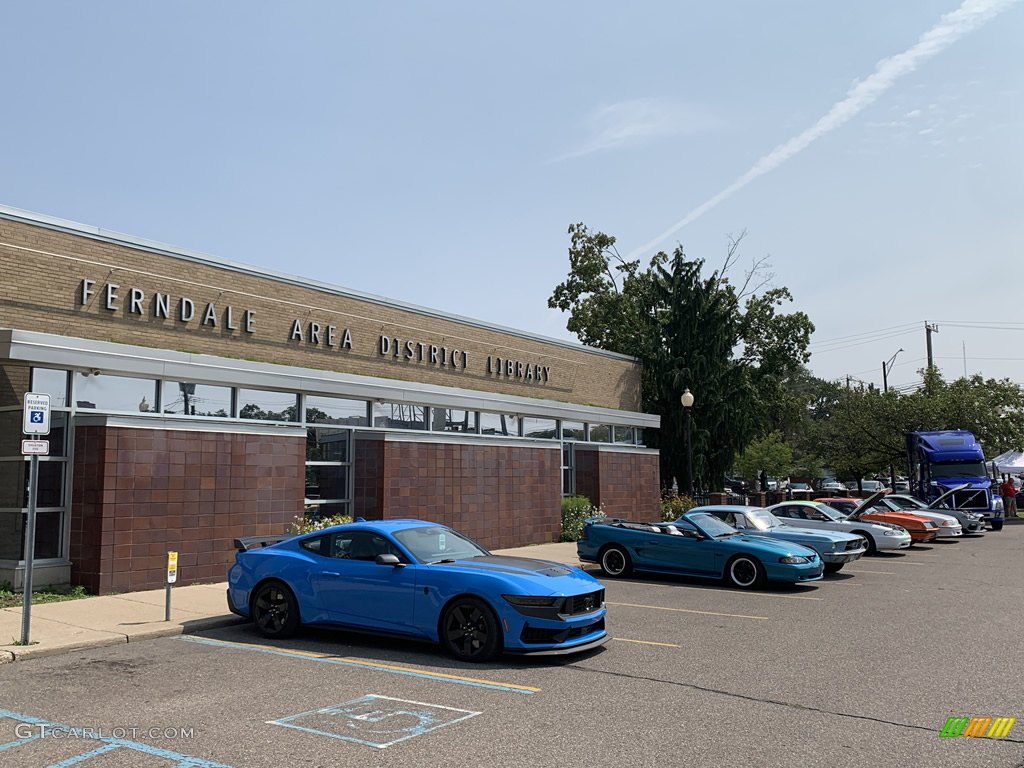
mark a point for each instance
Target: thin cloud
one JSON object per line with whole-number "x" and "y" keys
{"x": 628, "y": 123}
{"x": 951, "y": 27}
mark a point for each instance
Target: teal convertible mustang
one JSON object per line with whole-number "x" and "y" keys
{"x": 697, "y": 544}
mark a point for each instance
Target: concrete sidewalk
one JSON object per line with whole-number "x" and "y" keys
{"x": 93, "y": 622}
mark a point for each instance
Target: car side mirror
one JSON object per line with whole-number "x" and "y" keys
{"x": 388, "y": 560}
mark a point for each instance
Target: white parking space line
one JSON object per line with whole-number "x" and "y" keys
{"x": 688, "y": 610}
{"x": 646, "y": 642}
{"x": 878, "y": 573}
{"x": 712, "y": 591}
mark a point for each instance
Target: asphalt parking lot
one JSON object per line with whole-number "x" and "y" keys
{"x": 863, "y": 668}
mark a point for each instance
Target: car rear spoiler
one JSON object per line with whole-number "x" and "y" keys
{"x": 245, "y": 543}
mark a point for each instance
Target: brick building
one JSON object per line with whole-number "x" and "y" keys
{"x": 195, "y": 400}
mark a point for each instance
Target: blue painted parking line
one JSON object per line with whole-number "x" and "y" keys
{"x": 109, "y": 743}
{"x": 375, "y": 721}
{"x": 364, "y": 664}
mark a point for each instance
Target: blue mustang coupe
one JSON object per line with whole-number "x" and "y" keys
{"x": 420, "y": 580}
{"x": 697, "y": 544}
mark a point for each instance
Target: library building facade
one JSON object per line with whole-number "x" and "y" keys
{"x": 195, "y": 400}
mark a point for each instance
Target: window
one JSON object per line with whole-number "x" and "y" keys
{"x": 499, "y": 424}
{"x": 190, "y": 399}
{"x": 568, "y": 469}
{"x": 328, "y": 472}
{"x": 113, "y": 393}
{"x": 445, "y": 420}
{"x": 574, "y": 430}
{"x": 47, "y": 381}
{"x": 600, "y": 433}
{"x": 336, "y": 410}
{"x": 361, "y": 545}
{"x": 624, "y": 435}
{"x": 546, "y": 429}
{"x": 399, "y": 416}
{"x": 267, "y": 406}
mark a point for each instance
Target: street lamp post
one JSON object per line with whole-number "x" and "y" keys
{"x": 886, "y": 367}
{"x": 687, "y": 400}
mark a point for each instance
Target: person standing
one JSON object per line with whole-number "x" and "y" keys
{"x": 1009, "y": 493}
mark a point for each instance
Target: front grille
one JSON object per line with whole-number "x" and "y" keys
{"x": 582, "y": 604}
{"x": 542, "y": 636}
{"x": 855, "y": 544}
{"x": 970, "y": 499}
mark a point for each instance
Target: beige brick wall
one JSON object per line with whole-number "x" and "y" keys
{"x": 43, "y": 271}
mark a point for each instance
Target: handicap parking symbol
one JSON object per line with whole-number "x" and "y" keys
{"x": 35, "y": 417}
{"x": 376, "y": 721}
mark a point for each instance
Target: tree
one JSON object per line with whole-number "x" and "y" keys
{"x": 769, "y": 454}
{"x": 686, "y": 330}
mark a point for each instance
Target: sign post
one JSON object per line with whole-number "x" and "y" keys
{"x": 172, "y": 576}
{"x": 36, "y": 423}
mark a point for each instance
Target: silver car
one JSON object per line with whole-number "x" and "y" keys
{"x": 970, "y": 522}
{"x": 815, "y": 514}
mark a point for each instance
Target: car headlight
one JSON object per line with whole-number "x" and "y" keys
{"x": 894, "y": 532}
{"x": 527, "y": 601}
{"x": 794, "y": 560}
{"x": 950, "y": 524}
{"x": 997, "y": 503}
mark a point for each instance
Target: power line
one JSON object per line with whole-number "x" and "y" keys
{"x": 867, "y": 333}
{"x": 873, "y": 340}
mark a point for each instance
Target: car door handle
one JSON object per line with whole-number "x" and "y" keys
{"x": 329, "y": 573}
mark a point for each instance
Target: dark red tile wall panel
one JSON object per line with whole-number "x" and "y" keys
{"x": 501, "y": 496}
{"x": 139, "y": 493}
{"x": 368, "y": 477}
{"x": 622, "y": 483}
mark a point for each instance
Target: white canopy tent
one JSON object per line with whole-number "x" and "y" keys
{"x": 1009, "y": 463}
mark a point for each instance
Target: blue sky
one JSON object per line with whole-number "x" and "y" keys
{"x": 436, "y": 152}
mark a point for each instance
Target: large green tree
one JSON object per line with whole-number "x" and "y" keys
{"x": 723, "y": 341}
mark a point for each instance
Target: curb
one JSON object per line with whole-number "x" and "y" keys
{"x": 192, "y": 625}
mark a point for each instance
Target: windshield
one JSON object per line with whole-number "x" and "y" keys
{"x": 434, "y": 544}
{"x": 762, "y": 519}
{"x": 830, "y": 512}
{"x": 711, "y": 525}
{"x": 958, "y": 469}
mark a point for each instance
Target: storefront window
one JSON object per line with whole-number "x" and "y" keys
{"x": 267, "y": 406}
{"x": 499, "y": 424}
{"x": 196, "y": 399}
{"x": 540, "y": 428}
{"x": 47, "y": 381}
{"x": 399, "y": 416}
{"x": 113, "y": 393}
{"x": 336, "y": 410}
{"x": 326, "y": 444}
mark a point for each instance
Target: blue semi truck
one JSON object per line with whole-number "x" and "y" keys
{"x": 938, "y": 462}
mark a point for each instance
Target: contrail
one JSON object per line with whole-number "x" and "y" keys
{"x": 951, "y": 27}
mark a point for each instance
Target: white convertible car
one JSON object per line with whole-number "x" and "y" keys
{"x": 880, "y": 537}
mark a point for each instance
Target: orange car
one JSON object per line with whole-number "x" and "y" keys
{"x": 921, "y": 529}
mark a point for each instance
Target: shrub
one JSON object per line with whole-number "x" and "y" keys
{"x": 309, "y": 523}
{"x": 576, "y": 509}
{"x": 674, "y": 504}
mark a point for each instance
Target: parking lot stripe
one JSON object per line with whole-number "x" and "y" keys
{"x": 878, "y": 573}
{"x": 351, "y": 662}
{"x": 646, "y": 642}
{"x": 688, "y": 610}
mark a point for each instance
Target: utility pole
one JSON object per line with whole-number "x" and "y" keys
{"x": 928, "y": 331}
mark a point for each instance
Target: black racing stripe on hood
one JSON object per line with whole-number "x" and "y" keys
{"x": 514, "y": 565}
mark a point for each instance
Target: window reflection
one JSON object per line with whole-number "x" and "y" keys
{"x": 574, "y": 430}
{"x": 540, "y": 428}
{"x": 624, "y": 435}
{"x": 196, "y": 399}
{"x": 326, "y": 444}
{"x": 600, "y": 433}
{"x": 267, "y": 406}
{"x": 336, "y": 410}
{"x": 326, "y": 482}
{"x": 399, "y": 416}
{"x": 446, "y": 420}
{"x": 113, "y": 393}
{"x": 48, "y": 381}
{"x": 499, "y": 424}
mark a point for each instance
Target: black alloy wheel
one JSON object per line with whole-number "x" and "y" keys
{"x": 745, "y": 572}
{"x": 469, "y": 630}
{"x": 615, "y": 561}
{"x": 275, "y": 612}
